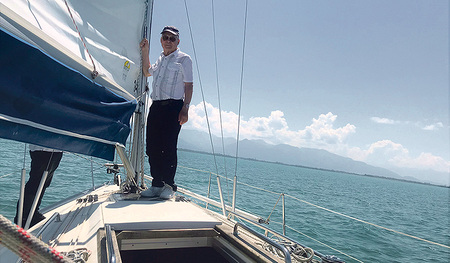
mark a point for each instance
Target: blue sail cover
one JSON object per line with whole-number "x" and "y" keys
{"x": 44, "y": 102}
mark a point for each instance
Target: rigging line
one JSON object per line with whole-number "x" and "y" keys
{"x": 372, "y": 224}
{"x": 94, "y": 72}
{"x": 241, "y": 87}
{"x": 24, "y": 155}
{"x": 92, "y": 173}
{"x": 248, "y": 185}
{"x": 201, "y": 86}
{"x": 6, "y": 175}
{"x": 273, "y": 209}
{"x": 218, "y": 96}
{"x": 147, "y": 32}
{"x": 49, "y": 160}
{"x": 341, "y": 214}
{"x": 87, "y": 159}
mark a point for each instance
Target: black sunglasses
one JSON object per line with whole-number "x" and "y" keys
{"x": 171, "y": 38}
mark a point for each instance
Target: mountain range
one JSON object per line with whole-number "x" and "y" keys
{"x": 307, "y": 157}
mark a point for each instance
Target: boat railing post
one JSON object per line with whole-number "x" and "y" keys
{"x": 221, "y": 196}
{"x": 233, "y": 205}
{"x": 209, "y": 188}
{"x": 284, "y": 213}
{"x": 22, "y": 191}
{"x": 36, "y": 200}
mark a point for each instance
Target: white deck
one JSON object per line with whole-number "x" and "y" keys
{"x": 155, "y": 215}
{"x": 80, "y": 222}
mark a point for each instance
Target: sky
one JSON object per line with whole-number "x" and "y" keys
{"x": 363, "y": 79}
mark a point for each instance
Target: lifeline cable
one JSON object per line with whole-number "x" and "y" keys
{"x": 372, "y": 224}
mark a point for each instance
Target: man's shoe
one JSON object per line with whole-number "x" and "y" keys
{"x": 153, "y": 191}
{"x": 167, "y": 192}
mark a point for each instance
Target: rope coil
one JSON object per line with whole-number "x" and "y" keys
{"x": 27, "y": 246}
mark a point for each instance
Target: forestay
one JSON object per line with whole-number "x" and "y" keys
{"x": 49, "y": 50}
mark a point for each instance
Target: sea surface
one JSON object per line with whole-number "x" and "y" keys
{"x": 321, "y": 206}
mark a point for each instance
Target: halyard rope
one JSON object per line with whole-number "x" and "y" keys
{"x": 26, "y": 246}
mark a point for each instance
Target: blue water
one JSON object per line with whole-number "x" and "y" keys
{"x": 415, "y": 209}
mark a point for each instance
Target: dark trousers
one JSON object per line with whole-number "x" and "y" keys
{"x": 163, "y": 128}
{"x": 41, "y": 161}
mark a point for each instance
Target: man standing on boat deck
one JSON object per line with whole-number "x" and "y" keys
{"x": 42, "y": 159}
{"x": 172, "y": 92}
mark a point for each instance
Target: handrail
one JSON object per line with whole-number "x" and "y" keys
{"x": 111, "y": 255}
{"x": 287, "y": 255}
{"x": 54, "y": 217}
{"x": 36, "y": 200}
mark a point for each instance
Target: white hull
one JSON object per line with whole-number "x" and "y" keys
{"x": 113, "y": 226}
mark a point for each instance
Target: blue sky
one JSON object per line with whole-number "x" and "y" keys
{"x": 363, "y": 79}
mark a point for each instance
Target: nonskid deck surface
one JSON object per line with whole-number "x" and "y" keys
{"x": 135, "y": 213}
{"x": 79, "y": 221}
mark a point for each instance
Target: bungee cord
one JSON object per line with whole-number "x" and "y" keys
{"x": 94, "y": 73}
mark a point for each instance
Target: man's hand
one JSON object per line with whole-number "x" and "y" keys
{"x": 144, "y": 44}
{"x": 183, "y": 115}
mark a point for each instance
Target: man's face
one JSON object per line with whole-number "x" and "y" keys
{"x": 169, "y": 42}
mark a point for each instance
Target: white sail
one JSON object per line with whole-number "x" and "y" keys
{"x": 49, "y": 51}
{"x": 110, "y": 29}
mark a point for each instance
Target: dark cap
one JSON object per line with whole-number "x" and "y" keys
{"x": 171, "y": 29}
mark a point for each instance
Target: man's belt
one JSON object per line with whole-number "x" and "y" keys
{"x": 166, "y": 102}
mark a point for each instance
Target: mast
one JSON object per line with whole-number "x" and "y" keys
{"x": 137, "y": 154}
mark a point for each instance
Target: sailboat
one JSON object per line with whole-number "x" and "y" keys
{"x": 70, "y": 79}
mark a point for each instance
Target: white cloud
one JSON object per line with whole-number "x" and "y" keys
{"x": 433, "y": 127}
{"x": 272, "y": 129}
{"x": 423, "y": 161}
{"x": 387, "y": 153}
{"x": 320, "y": 134}
{"x": 322, "y": 130}
{"x": 197, "y": 120}
{"x": 429, "y": 127}
{"x": 382, "y": 120}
